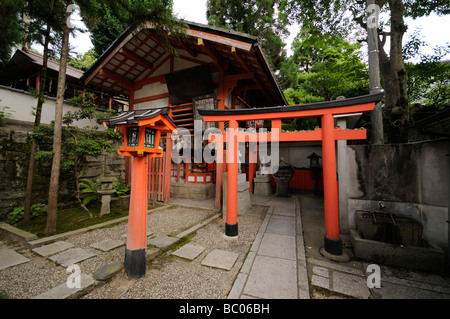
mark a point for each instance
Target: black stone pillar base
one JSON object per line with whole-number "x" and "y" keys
{"x": 135, "y": 263}
{"x": 333, "y": 246}
{"x": 231, "y": 230}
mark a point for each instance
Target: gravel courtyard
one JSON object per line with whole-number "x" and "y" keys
{"x": 167, "y": 276}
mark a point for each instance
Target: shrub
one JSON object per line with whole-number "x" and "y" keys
{"x": 17, "y": 214}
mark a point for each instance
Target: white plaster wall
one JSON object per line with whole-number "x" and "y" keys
{"x": 297, "y": 156}
{"x": 22, "y": 106}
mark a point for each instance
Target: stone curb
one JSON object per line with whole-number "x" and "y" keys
{"x": 31, "y": 240}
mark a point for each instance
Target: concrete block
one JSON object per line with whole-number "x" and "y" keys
{"x": 350, "y": 285}
{"x": 64, "y": 292}
{"x": 321, "y": 271}
{"x": 51, "y": 249}
{"x": 321, "y": 282}
{"x": 9, "y": 258}
{"x": 262, "y": 189}
{"x": 107, "y": 271}
{"x": 18, "y": 234}
{"x": 431, "y": 259}
{"x": 152, "y": 253}
{"x": 220, "y": 259}
{"x": 163, "y": 242}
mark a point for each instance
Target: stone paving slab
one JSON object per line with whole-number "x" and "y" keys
{"x": 189, "y": 251}
{"x": 281, "y": 226}
{"x": 108, "y": 244}
{"x": 71, "y": 256}
{"x": 9, "y": 258}
{"x": 220, "y": 259}
{"x": 51, "y": 249}
{"x": 284, "y": 211}
{"x": 274, "y": 245}
{"x": 272, "y": 278}
{"x": 163, "y": 242}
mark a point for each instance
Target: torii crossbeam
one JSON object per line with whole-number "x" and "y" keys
{"x": 328, "y": 134}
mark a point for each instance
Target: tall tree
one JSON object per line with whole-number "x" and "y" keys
{"x": 43, "y": 19}
{"x": 328, "y": 15}
{"x": 259, "y": 18}
{"x": 57, "y": 134}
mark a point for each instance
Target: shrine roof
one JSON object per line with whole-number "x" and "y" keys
{"x": 133, "y": 117}
{"x": 137, "y": 54}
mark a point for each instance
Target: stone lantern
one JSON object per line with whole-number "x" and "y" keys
{"x": 314, "y": 160}
{"x": 315, "y": 168}
{"x": 106, "y": 190}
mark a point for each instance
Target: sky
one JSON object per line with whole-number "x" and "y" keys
{"x": 434, "y": 29}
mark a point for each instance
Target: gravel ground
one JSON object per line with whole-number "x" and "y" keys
{"x": 166, "y": 277}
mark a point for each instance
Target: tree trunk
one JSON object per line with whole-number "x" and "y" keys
{"x": 57, "y": 134}
{"x": 376, "y": 116}
{"x": 394, "y": 78}
{"x": 37, "y": 122}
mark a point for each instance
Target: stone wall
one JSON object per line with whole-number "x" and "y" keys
{"x": 14, "y": 160}
{"x": 409, "y": 179}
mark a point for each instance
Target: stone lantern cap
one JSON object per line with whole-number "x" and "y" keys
{"x": 106, "y": 183}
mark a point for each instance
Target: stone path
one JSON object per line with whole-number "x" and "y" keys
{"x": 273, "y": 269}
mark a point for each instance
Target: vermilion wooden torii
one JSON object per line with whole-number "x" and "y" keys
{"x": 328, "y": 134}
{"x": 142, "y": 133}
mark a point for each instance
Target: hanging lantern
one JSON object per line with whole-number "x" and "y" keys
{"x": 142, "y": 131}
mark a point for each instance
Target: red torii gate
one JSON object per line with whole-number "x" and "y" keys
{"x": 328, "y": 134}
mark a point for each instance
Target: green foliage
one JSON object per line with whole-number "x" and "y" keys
{"x": 5, "y": 111}
{"x": 17, "y": 213}
{"x": 89, "y": 188}
{"x": 255, "y": 17}
{"x": 122, "y": 188}
{"x": 83, "y": 61}
{"x": 114, "y": 17}
{"x": 428, "y": 79}
{"x": 415, "y": 8}
{"x": 324, "y": 67}
{"x": 78, "y": 145}
{"x": 11, "y": 34}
